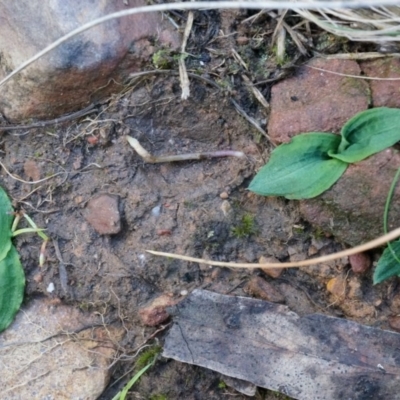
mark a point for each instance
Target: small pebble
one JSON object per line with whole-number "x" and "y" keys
{"x": 38, "y": 277}
{"x": 102, "y": 213}
{"x": 360, "y": 263}
{"x": 50, "y": 287}
{"x": 272, "y": 272}
{"x": 226, "y": 208}
{"x": 242, "y": 40}
{"x": 224, "y": 195}
{"x": 155, "y": 312}
{"x": 184, "y": 292}
{"x": 259, "y": 287}
{"x": 156, "y": 211}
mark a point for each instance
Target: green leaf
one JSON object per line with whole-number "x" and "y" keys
{"x": 367, "y": 133}
{"x": 387, "y": 266}
{"x": 300, "y": 169}
{"x": 6, "y": 218}
{"x": 12, "y": 284}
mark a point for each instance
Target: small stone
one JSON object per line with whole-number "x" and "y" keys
{"x": 337, "y": 286}
{"x": 260, "y": 288}
{"x": 272, "y": 272}
{"x": 224, "y": 195}
{"x": 312, "y": 250}
{"x": 38, "y": 278}
{"x": 50, "y": 288}
{"x": 155, "y": 313}
{"x": 360, "y": 262}
{"x": 103, "y": 214}
{"x": 242, "y": 40}
{"x": 226, "y": 208}
{"x": 394, "y": 322}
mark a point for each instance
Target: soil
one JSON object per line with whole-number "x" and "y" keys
{"x": 173, "y": 207}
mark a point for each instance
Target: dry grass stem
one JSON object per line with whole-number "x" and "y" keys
{"x": 183, "y": 75}
{"x": 306, "y": 263}
{"x": 147, "y": 157}
{"x": 257, "y": 94}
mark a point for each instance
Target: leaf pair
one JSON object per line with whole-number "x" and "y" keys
{"x": 12, "y": 277}
{"x": 312, "y": 162}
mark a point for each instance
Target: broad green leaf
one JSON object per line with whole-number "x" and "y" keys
{"x": 388, "y": 266}
{"x": 368, "y": 133}
{"x": 12, "y": 284}
{"x": 6, "y": 218}
{"x": 300, "y": 169}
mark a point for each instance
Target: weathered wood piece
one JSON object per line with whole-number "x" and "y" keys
{"x": 310, "y": 357}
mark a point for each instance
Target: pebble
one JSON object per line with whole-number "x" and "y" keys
{"x": 226, "y": 208}
{"x": 260, "y": 288}
{"x": 224, "y": 195}
{"x": 360, "y": 263}
{"x": 155, "y": 313}
{"x": 272, "y": 272}
{"x": 102, "y": 213}
{"x": 50, "y": 288}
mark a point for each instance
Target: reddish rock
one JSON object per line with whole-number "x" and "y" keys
{"x": 155, "y": 312}
{"x": 313, "y": 100}
{"x": 360, "y": 263}
{"x": 394, "y": 322}
{"x": 384, "y": 93}
{"x": 260, "y": 288}
{"x": 272, "y": 272}
{"x": 83, "y": 70}
{"x": 352, "y": 209}
{"x": 103, "y": 214}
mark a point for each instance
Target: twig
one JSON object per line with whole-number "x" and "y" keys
{"x": 358, "y": 249}
{"x": 147, "y": 157}
{"x": 81, "y": 113}
{"x": 183, "y": 75}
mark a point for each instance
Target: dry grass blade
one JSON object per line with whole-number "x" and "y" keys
{"x": 345, "y": 253}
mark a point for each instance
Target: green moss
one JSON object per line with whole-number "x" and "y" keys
{"x": 245, "y": 227}
{"x": 158, "y": 397}
{"x": 147, "y": 356}
{"x": 162, "y": 59}
{"x": 221, "y": 385}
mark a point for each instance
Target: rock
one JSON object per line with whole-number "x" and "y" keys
{"x": 102, "y": 213}
{"x": 384, "y": 93}
{"x": 360, "y": 263}
{"x": 53, "y": 351}
{"x": 314, "y": 100}
{"x": 262, "y": 289}
{"x": 355, "y": 291}
{"x": 394, "y": 322}
{"x": 81, "y": 71}
{"x": 272, "y": 272}
{"x": 155, "y": 313}
{"x": 353, "y": 207}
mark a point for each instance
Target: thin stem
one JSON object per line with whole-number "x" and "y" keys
{"x": 149, "y": 158}
{"x": 358, "y": 249}
{"x": 386, "y": 212}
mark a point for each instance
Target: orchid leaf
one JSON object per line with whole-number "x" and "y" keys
{"x": 300, "y": 169}
{"x": 388, "y": 266}
{"x": 367, "y": 133}
{"x": 6, "y": 218}
{"x": 12, "y": 284}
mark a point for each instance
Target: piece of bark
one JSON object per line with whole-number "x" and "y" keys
{"x": 311, "y": 357}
